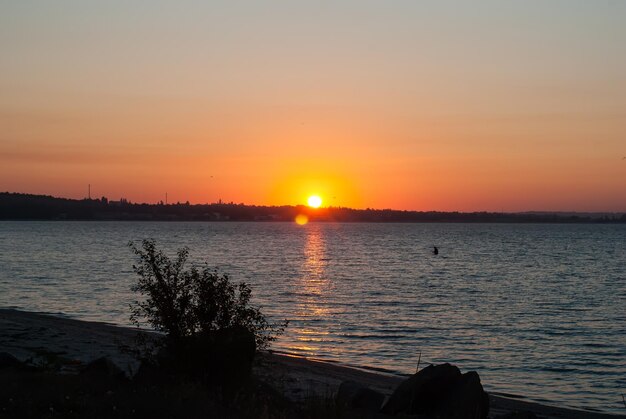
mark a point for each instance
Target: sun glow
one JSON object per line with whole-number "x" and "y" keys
{"x": 314, "y": 201}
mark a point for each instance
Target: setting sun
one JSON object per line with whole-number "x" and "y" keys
{"x": 314, "y": 201}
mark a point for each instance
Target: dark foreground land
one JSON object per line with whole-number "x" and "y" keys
{"x": 59, "y": 380}
{"x": 16, "y": 206}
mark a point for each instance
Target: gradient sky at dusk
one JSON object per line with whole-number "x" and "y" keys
{"x": 490, "y": 105}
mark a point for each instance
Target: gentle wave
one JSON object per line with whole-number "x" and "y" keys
{"x": 537, "y": 310}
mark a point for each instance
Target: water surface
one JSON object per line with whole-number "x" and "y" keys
{"x": 536, "y": 309}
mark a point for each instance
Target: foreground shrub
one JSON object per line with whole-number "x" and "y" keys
{"x": 198, "y": 309}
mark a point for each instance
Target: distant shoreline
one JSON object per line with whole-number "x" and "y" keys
{"x": 26, "y": 334}
{"x": 73, "y": 220}
{"x": 25, "y": 207}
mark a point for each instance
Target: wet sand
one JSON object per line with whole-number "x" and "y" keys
{"x": 29, "y": 335}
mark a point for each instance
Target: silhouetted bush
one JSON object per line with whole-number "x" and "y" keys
{"x": 191, "y": 303}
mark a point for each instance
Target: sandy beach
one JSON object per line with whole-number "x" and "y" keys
{"x": 30, "y": 335}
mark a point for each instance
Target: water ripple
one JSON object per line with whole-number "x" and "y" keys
{"x": 537, "y": 310}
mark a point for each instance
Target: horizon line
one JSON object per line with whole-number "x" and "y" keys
{"x": 532, "y": 211}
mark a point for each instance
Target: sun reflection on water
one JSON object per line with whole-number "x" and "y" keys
{"x": 312, "y": 290}
{"x": 315, "y": 262}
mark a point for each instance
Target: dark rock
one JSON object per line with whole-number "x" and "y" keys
{"x": 440, "y": 391}
{"x": 467, "y": 399}
{"x": 103, "y": 367}
{"x": 522, "y": 414}
{"x": 149, "y": 373}
{"x": 222, "y": 357}
{"x": 9, "y": 361}
{"x": 369, "y": 414}
{"x": 357, "y": 396}
{"x": 420, "y": 392}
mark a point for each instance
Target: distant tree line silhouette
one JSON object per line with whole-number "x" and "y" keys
{"x": 18, "y": 206}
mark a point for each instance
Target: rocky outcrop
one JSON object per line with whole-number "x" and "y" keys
{"x": 440, "y": 391}
{"x": 103, "y": 367}
{"x": 357, "y": 396}
{"x": 518, "y": 414}
{"x": 222, "y": 357}
{"x": 9, "y": 361}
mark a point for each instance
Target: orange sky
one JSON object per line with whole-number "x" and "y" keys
{"x": 428, "y": 107}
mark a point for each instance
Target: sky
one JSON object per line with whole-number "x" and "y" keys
{"x": 422, "y": 105}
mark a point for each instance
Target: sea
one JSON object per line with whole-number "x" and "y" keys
{"x": 538, "y": 310}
